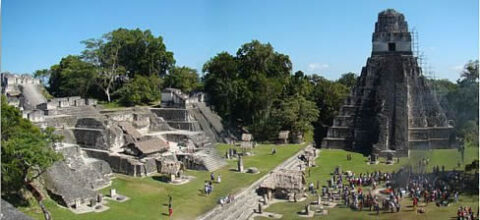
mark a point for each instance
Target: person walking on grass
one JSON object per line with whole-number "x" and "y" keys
{"x": 170, "y": 212}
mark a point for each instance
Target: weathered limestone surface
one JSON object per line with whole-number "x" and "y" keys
{"x": 391, "y": 108}
{"x": 77, "y": 177}
{"x": 11, "y": 213}
{"x": 123, "y": 164}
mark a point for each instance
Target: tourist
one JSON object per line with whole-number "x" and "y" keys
{"x": 219, "y": 179}
{"x": 212, "y": 176}
{"x": 456, "y": 196}
{"x": 205, "y": 186}
{"x": 415, "y": 203}
{"x": 210, "y": 185}
{"x": 170, "y": 212}
{"x": 274, "y": 151}
{"x": 311, "y": 188}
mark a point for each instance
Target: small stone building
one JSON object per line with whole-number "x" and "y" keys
{"x": 284, "y": 183}
{"x": 170, "y": 166}
{"x": 283, "y": 137}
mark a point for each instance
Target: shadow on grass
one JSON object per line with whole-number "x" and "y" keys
{"x": 161, "y": 179}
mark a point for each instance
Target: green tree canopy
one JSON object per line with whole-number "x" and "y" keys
{"x": 299, "y": 84}
{"x": 296, "y": 114}
{"x": 243, "y": 88}
{"x": 141, "y": 52}
{"x": 222, "y": 84}
{"x": 26, "y": 149}
{"x": 183, "y": 78}
{"x": 72, "y": 77}
{"x": 329, "y": 97}
{"x": 348, "y": 79}
{"x": 142, "y": 90}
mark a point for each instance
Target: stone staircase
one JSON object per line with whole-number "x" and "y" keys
{"x": 205, "y": 124}
{"x": 242, "y": 207}
{"x": 78, "y": 111}
{"x": 211, "y": 159}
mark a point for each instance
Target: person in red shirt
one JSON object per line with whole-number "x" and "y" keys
{"x": 170, "y": 212}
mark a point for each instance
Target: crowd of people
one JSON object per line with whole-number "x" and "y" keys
{"x": 439, "y": 187}
{"x": 465, "y": 213}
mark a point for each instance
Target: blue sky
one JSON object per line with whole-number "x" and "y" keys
{"x": 324, "y": 37}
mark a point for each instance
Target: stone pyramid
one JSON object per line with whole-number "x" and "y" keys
{"x": 391, "y": 109}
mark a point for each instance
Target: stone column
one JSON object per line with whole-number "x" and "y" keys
{"x": 77, "y": 203}
{"x": 240, "y": 164}
{"x": 113, "y": 193}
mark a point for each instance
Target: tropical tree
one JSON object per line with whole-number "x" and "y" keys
{"x": 329, "y": 97}
{"x": 296, "y": 114}
{"x": 250, "y": 83}
{"x": 348, "y": 79}
{"x": 104, "y": 54}
{"x": 26, "y": 149}
{"x": 222, "y": 83}
{"x": 142, "y": 53}
{"x": 142, "y": 90}
{"x": 71, "y": 77}
{"x": 183, "y": 78}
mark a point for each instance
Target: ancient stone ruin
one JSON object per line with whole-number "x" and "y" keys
{"x": 181, "y": 133}
{"x": 391, "y": 109}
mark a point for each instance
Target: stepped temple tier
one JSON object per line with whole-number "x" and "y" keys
{"x": 391, "y": 109}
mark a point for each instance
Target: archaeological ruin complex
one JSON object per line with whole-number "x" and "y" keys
{"x": 140, "y": 141}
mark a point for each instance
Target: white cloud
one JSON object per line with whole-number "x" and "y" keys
{"x": 317, "y": 66}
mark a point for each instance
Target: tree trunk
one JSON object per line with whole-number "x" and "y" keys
{"x": 39, "y": 197}
{"x": 107, "y": 92}
{"x": 46, "y": 213}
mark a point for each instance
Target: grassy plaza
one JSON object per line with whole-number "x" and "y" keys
{"x": 149, "y": 196}
{"x": 329, "y": 159}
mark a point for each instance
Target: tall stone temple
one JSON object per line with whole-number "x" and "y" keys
{"x": 391, "y": 109}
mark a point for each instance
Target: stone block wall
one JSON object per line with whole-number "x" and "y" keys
{"x": 123, "y": 164}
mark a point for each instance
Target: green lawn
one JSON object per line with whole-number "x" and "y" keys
{"x": 329, "y": 159}
{"x": 149, "y": 197}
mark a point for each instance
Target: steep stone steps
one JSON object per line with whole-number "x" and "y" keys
{"x": 78, "y": 111}
{"x": 211, "y": 160}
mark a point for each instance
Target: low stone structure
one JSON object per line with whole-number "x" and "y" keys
{"x": 144, "y": 148}
{"x": 283, "y": 137}
{"x": 284, "y": 183}
{"x": 171, "y": 167}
